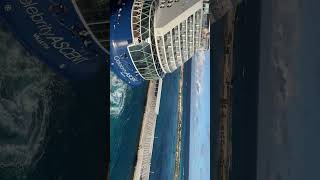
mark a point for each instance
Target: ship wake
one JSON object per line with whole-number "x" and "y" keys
{"x": 25, "y": 98}
{"x": 118, "y": 94}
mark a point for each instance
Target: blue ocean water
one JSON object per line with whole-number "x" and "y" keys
{"x": 127, "y": 107}
{"x": 163, "y": 156}
{"x": 184, "y": 161}
{"x": 125, "y": 127}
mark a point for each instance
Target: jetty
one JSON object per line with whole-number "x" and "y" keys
{"x": 144, "y": 154}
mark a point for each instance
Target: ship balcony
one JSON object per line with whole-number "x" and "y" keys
{"x": 145, "y": 63}
{"x": 92, "y": 14}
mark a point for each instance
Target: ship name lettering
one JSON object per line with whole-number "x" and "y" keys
{"x": 40, "y": 41}
{"x": 124, "y": 71}
{"x": 65, "y": 49}
{"x": 46, "y": 33}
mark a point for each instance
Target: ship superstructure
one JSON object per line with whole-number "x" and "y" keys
{"x": 164, "y": 35}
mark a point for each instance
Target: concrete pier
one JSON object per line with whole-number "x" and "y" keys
{"x": 144, "y": 154}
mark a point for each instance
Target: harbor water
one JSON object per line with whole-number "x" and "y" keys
{"x": 126, "y": 112}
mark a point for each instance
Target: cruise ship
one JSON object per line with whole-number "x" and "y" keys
{"x": 150, "y": 38}
{"x": 71, "y": 36}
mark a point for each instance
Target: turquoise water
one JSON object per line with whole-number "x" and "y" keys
{"x": 126, "y": 114}
{"x": 127, "y": 107}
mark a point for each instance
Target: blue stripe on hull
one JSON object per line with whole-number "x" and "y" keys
{"x": 49, "y": 36}
{"x": 120, "y": 35}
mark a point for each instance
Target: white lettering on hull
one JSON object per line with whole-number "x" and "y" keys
{"x": 123, "y": 70}
{"x": 46, "y": 36}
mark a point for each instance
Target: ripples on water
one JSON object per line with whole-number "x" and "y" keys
{"x": 118, "y": 94}
{"x": 127, "y": 108}
{"x": 26, "y": 94}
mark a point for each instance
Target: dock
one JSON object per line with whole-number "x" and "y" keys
{"x": 144, "y": 154}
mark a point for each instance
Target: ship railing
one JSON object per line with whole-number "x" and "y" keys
{"x": 142, "y": 28}
{"x": 136, "y": 20}
{"x": 92, "y": 14}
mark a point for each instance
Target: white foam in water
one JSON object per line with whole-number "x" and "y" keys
{"x": 118, "y": 95}
{"x": 25, "y": 98}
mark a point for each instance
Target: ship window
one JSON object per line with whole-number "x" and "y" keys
{"x": 143, "y": 59}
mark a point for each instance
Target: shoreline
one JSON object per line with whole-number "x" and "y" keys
{"x": 225, "y": 129}
{"x": 179, "y": 127}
